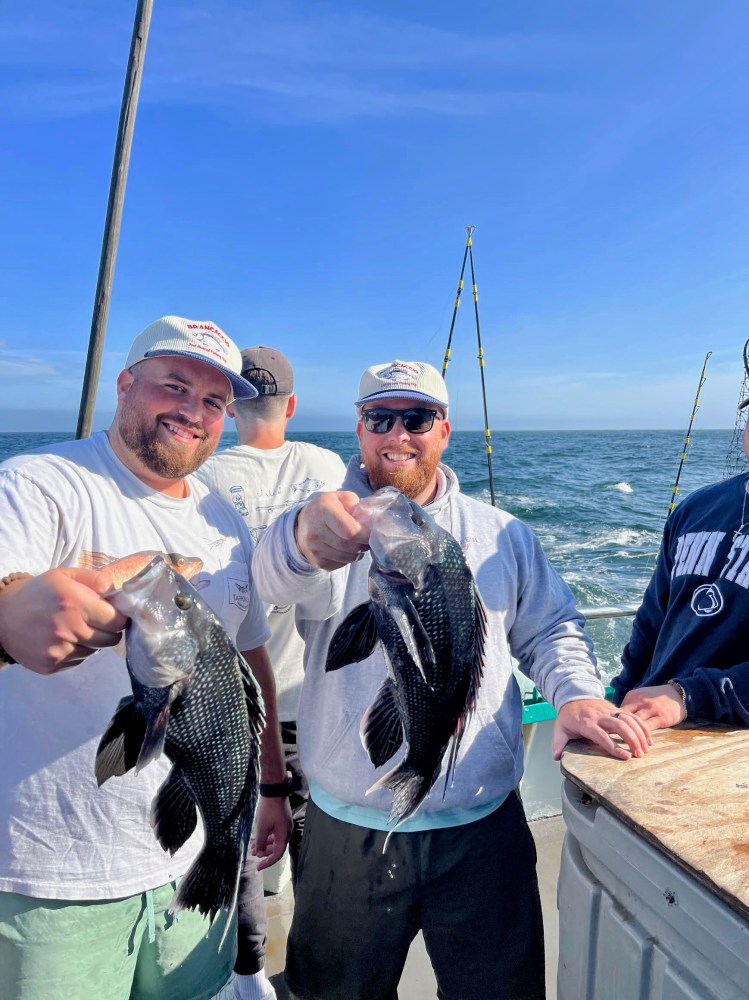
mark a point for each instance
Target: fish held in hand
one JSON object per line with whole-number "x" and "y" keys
{"x": 194, "y": 698}
{"x": 426, "y": 612}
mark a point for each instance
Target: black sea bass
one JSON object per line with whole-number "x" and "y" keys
{"x": 195, "y": 698}
{"x": 426, "y": 612}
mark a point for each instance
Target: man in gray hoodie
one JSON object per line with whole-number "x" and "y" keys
{"x": 462, "y": 869}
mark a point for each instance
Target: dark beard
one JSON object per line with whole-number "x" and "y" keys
{"x": 411, "y": 482}
{"x": 163, "y": 461}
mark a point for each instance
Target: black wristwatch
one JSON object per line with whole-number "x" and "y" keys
{"x": 276, "y": 790}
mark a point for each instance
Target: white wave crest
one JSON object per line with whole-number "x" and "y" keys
{"x": 621, "y": 487}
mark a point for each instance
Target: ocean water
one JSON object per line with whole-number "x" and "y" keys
{"x": 596, "y": 499}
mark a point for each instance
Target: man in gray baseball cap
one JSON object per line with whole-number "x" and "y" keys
{"x": 466, "y": 851}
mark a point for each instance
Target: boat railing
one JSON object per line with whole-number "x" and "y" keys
{"x": 535, "y": 707}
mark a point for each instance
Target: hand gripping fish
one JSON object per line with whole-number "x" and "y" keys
{"x": 195, "y": 698}
{"x": 426, "y": 612}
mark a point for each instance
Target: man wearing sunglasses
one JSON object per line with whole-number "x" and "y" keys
{"x": 462, "y": 869}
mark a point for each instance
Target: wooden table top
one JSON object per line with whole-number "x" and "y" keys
{"x": 689, "y": 796}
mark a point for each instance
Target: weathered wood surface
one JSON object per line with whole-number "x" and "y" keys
{"x": 689, "y": 796}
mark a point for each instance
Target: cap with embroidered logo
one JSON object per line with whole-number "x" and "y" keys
{"x": 191, "y": 338}
{"x": 404, "y": 380}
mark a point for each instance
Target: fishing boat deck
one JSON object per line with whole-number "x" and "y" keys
{"x": 418, "y": 982}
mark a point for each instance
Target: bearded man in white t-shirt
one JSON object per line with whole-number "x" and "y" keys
{"x": 85, "y": 887}
{"x": 262, "y": 476}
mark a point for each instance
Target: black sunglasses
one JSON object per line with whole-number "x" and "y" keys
{"x": 416, "y": 420}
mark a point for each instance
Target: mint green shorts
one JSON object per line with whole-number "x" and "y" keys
{"x": 121, "y": 949}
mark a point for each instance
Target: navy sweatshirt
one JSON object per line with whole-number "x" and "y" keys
{"x": 693, "y": 625}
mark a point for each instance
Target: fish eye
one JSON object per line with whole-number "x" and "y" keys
{"x": 183, "y": 602}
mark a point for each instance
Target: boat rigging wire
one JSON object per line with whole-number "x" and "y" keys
{"x": 113, "y": 219}
{"x": 688, "y": 436}
{"x": 468, "y": 255}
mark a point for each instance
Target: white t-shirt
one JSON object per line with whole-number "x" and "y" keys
{"x": 261, "y": 483}
{"x": 62, "y": 837}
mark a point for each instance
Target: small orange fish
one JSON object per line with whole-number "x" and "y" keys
{"x": 114, "y": 574}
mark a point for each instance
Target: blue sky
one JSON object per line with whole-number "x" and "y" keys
{"x": 302, "y": 174}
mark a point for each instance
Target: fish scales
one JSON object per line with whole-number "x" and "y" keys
{"x": 195, "y": 698}
{"x": 425, "y": 611}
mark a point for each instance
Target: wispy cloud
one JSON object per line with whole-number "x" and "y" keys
{"x": 23, "y": 366}
{"x": 314, "y": 62}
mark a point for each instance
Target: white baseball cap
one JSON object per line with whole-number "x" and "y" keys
{"x": 193, "y": 338}
{"x": 403, "y": 380}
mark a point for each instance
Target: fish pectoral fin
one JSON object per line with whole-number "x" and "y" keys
{"x": 156, "y": 724}
{"x": 120, "y": 745}
{"x": 416, "y": 638}
{"x": 174, "y": 814}
{"x": 354, "y": 639}
{"x": 381, "y": 729}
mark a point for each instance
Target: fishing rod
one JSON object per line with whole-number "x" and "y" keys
{"x": 487, "y": 432}
{"x": 468, "y": 254}
{"x": 113, "y": 219}
{"x": 688, "y": 437}
{"x": 446, "y": 359}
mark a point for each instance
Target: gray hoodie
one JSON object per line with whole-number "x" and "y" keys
{"x": 531, "y": 616}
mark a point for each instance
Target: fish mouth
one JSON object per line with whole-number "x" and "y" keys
{"x": 132, "y": 581}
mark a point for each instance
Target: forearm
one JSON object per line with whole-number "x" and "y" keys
{"x": 282, "y": 575}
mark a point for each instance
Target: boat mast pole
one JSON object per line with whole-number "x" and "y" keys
{"x": 114, "y": 215}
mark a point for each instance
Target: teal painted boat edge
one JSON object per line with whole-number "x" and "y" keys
{"x": 535, "y": 709}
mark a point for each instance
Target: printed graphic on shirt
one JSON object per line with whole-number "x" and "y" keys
{"x": 737, "y": 563}
{"x": 707, "y": 600}
{"x": 695, "y": 552}
{"x": 237, "y": 498}
{"x": 696, "y": 555}
{"x": 268, "y": 511}
{"x": 239, "y": 593}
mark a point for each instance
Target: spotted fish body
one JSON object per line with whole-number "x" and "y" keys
{"x": 195, "y": 698}
{"x": 425, "y": 611}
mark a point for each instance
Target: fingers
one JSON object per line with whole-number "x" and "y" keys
{"x": 602, "y": 724}
{"x": 631, "y": 729}
{"x": 327, "y": 535}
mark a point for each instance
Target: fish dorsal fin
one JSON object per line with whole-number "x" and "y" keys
{"x": 253, "y": 698}
{"x": 120, "y": 745}
{"x": 416, "y": 638}
{"x": 354, "y": 639}
{"x": 94, "y": 560}
{"x": 381, "y": 729}
{"x": 174, "y": 815}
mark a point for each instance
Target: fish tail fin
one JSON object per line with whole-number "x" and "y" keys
{"x": 212, "y": 882}
{"x": 409, "y": 788}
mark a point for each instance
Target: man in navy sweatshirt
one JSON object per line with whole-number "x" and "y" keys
{"x": 688, "y": 656}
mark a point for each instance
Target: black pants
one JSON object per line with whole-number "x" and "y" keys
{"x": 472, "y": 891}
{"x": 252, "y": 929}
